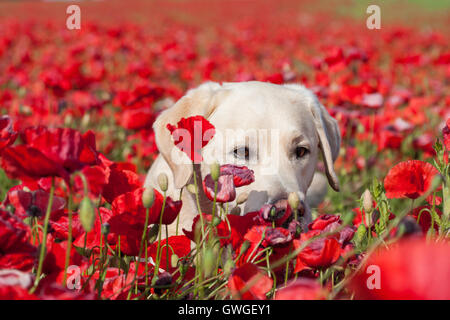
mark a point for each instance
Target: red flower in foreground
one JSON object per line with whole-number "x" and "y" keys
{"x": 410, "y": 179}
{"x": 15, "y": 250}
{"x": 179, "y": 245}
{"x": 34, "y": 203}
{"x": 49, "y": 153}
{"x": 7, "y": 134}
{"x": 411, "y": 269}
{"x": 226, "y": 192}
{"x": 191, "y": 135}
{"x": 14, "y": 285}
{"x": 248, "y": 282}
{"x": 65, "y": 146}
{"x": 320, "y": 253}
{"x": 301, "y": 289}
{"x": 446, "y": 134}
{"x": 130, "y": 209}
{"x": 242, "y": 175}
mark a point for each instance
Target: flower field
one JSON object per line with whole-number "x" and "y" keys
{"x": 76, "y": 142}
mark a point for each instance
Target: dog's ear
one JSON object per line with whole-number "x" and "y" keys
{"x": 330, "y": 139}
{"x": 199, "y": 101}
{"x": 327, "y": 130}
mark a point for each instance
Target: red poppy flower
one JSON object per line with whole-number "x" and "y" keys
{"x": 14, "y": 285}
{"x": 226, "y": 191}
{"x": 120, "y": 180}
{"x": 15, "y": 250}
{"x": 49, "y": 152}
{"x": 446, "y": 134}
{"x": 320, "y": 253}
{"x": 96, "y": 178}
{"x": 423, "y": 217}
{"x": 23, "y": 162}
{"x": 404, "y": 271}
{"x": 136, "y": 118}
{"x": 7, "y": 134}
{"x": 129, "y": 209}
{"x": 191, "y": 135}
{"x": 301, "y": 289}
{"x": 410, "y": 179}
{"x": 91, "y": 240}
{"x": 242, "y": 175}
{"x": 239, "y": 226}
{"x": 65, "y": 146}
{"x": 179, "y": 245}
{"x": 248, "y": 282}
{"x": 323, "y": 221}
{"x": 34, "y": 203}
{"x": 278, "y": 212}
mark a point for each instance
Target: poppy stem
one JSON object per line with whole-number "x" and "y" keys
{"x": 158, "y": 249}
{"x": 44, "y": 237}
{"x": 69, "y": 236}
{"x": 138, "y": 262}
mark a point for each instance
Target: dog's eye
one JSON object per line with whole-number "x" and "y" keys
{"x": 242, "y": 153}
{"x": 300, "y": 152}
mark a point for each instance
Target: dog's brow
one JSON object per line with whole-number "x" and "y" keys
{"x": 298, "y": 137}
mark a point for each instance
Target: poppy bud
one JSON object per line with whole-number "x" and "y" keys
{"x": 216, "y": 221}
{"x": 209, "y": 262}
{"x": 293, "y": 200}
{"x": 229, "y": 267}
{"x": 367, "y": 201}
{"x": 148, "y": 197}
{"x": 106, "y": 228}
{"x": 215, "y": 171}
{"x": 192, "y": 188}
{"x": 242, "y": 198}
{"x": 174, "y": 260}
{"x": 360, "y": 233}
{"x": 163, "y": 181}
{"x": 87, "y": 214}
{"x": 244, "y": 247}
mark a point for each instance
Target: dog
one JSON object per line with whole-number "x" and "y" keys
{"x": 278, "y": 131}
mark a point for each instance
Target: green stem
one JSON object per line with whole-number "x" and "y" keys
{"x": 69, "y": 237}
{"x": 44, "y": 236}
{"x": 158, "y": 249}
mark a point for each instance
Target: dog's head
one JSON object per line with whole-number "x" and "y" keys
{"x": 277, "y": 131}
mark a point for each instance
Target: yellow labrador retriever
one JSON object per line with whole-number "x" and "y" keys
{"x": 275, "y": 130}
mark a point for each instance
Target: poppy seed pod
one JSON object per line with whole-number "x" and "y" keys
{"x": 215, "y": 171}
{"x": 293, "y": 200}
{"x": 87, "y": 214}
{"x": 148, "y": 197}
{"x": 163, "y": 182}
